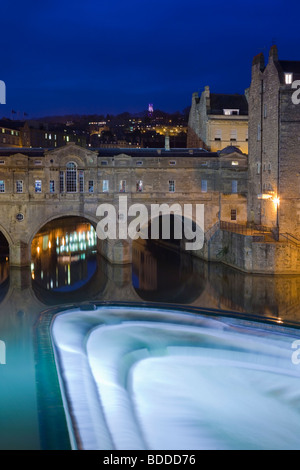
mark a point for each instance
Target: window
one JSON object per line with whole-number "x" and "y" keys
{"x": 38, "y": 186}
{"x": 171, "y": 186}
{"x": 52, "y": 186}
{"x": 247, "y": 135}
{"x": 139, "y": 186}
{"x": 218, "y": 134}
{"x": 81, "y": 181}
{"x": 265, "y": 111}
{"x": 91, "y": 186}
{"x": 104, "y": 162}
{"x": 204, "y": 186}
{"x": 2, "y": 162}
{"x": 38, "y": 162}
{"x": 233, "y": 214}
{"x": 71, "y": 178}
{"x": 233, "y": 135}
{"x": 2, "y": 186}
{"x": 122, "y": 186}
{"x": 234, "y": 163}
{"x": 19, "y": 186}
{"x": 105, "y": 186}
{"x": 258, "y": 132}
{"x": 288, "y": 78}
{"x": 172, "y": 162}
{"x": 231, "y": 112}
{"x": 258, "y": 168}
{"x": 234, "y": 186}
{"x": 61, "y": 182}
{"x": 139, "y": 163}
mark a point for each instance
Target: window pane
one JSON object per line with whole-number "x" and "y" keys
{"x": 61, "y": 182}
{"x": 91, "y": 186}
{"x": 81, "y": 181}
{"x": 171, "y": 186}
{"x": 52, "y": 186}
{"x": 19, "y": 186}
{"x": 204, "y": 186}
{"x": 139, "y": 186}
{"x": 105, "y": 186}
{"x": 71, "y": 176}
{"x": 38, "y": 186}
{"x": 2, "y": 186}
{"x": 122, "y": 186}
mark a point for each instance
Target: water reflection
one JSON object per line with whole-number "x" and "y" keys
{"x": 66, "y": 269}
{"x": 64, "y": 257}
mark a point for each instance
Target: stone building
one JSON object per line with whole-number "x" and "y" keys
{"x": 39, "y": 185}
{"x": 217, "y": 121}
{"x": 274, "y": 145}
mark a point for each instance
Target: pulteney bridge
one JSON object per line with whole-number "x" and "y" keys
{"x": 38, "y": 186}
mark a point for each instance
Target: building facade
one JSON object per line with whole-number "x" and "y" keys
{"x": 217, "y": 121}
{"x": 274, "y": 145}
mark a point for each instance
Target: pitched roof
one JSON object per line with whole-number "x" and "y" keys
{"x": 218, "y": 102}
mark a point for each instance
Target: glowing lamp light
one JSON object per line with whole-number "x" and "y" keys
{"x": 276, "y": 201}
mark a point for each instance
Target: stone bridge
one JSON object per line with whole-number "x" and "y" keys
{"x": 38, "y": 186}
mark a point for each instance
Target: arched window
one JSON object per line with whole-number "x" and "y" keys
{"x": 71, "y": 177}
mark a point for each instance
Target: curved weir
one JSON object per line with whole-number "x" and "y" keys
{"x": 145, "y": 378}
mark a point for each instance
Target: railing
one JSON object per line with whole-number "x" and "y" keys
{"x": 210, "y": 232}
{"x": 291, "y": 239}
{"x": 236, "y": 228}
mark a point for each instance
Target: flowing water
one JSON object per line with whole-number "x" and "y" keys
{"x": 160, "y": 356}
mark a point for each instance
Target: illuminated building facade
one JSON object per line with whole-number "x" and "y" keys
{"x": 274, "y": 151}
{"x": 217, "y": 121}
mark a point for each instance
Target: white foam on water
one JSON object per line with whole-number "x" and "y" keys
{"x": 149, "y": 379}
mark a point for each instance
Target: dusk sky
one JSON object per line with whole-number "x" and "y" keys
{"x": 84, "y": 57}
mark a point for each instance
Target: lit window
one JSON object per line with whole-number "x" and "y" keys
{"x": 233, "y": 214}
{"x": 71, "y": 177}
{"x": 38, "y": 186}
{"x": 234, "y": 163}
{"x": 171, "y": 186}
{"x": 139, "y": 186}
{"x": 204, "y": 186}
{"x": 52, "y": 186}
{"x": 122, "y": 186}
{"x": 288, "y": 78}
{"x": 105, "y": 186}
{"x": 91, "y": 186}
{"x": 2, "y": 186}
{"x": 19, "y": 186}
{"x": 234, "y": 186}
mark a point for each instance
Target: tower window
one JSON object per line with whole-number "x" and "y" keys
{"x": 288, "y": 78}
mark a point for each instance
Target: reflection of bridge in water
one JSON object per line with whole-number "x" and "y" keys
{"x": 156, "y": 275}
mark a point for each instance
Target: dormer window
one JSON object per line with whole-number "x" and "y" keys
{"x": 288, "y": 78}
{"x": 231, "y": 112}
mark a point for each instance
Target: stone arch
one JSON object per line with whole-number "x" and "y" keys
{"x": 185, "y": 216}
{"x": 61, "y": 215}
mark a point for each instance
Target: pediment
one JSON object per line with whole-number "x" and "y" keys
{"x": 72, "y": 152}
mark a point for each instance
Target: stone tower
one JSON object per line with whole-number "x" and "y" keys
{"x": 274, "y": 145}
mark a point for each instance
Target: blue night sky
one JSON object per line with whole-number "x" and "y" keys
{"x": 60, "y": 57}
